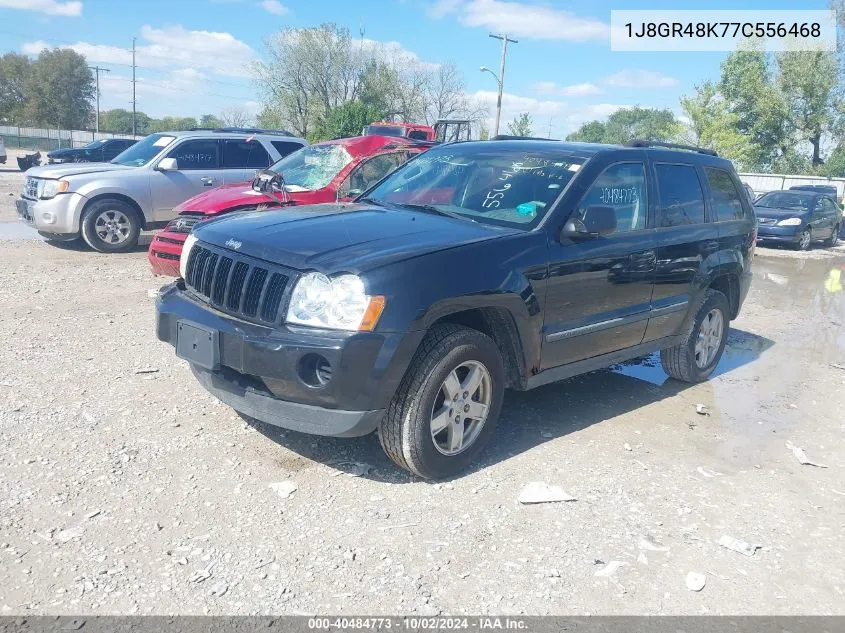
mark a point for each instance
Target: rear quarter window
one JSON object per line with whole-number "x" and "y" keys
{"x": 285, "y": 147}
{"x": 727, "y": 204}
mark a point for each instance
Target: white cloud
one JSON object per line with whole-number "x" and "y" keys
{"x": 218, "y": 52}
{"x": 521, "y": 19}
{"x": 565, "y": 117}
{"x": 274, "y": 6}
{"x": 50, "y": 7}
{"x": 394, "y": 51}
{"x": 575, "y": 90}
{"x": 640, "y": 79}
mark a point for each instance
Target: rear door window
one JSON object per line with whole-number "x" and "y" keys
{"x": 371, "y": 171}
{"x": 243, "y": 154}
{"x": 727, "y": 204}
{"x": 197, "y": 154}
{"x": 681, "y": 199}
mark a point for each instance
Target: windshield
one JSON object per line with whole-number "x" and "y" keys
{"x": 312, "y": 167}
{"x": 385, "y": 130}
{"x": 94, "y": 145}
{"x": 144, "y": 150}
{"x": 490, "y": 183}
{"x": 785, "y": 200}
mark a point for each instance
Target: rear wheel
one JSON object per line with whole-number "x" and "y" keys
{"x": 446, "y": 407}
{"x": 111, "y": 226}
{"x": 695, "y": 358}
{"x": 833, "y": 240}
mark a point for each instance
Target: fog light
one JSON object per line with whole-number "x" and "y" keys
{"x": 48, "y": 217}
{"x": 314, "y": 370}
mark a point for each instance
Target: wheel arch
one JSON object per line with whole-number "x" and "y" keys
{"x": 727, "y": 282}
{"x": 117, "y": 196}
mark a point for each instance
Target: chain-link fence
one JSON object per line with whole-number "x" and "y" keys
{"x": 45, "y": 139}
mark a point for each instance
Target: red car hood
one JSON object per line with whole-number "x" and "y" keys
{"x": 228, "y": 197}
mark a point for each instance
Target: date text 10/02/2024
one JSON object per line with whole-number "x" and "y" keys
{"x": 418, "y": 623}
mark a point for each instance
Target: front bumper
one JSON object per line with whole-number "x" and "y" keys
{"x": 260, "y": 369}
{"x": 56, "y": 216}
{"x": 165, "y": 251}
{"x": 783, "y": 234}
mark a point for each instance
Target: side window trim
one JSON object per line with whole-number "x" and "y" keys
{"x": 643, "y": 163}
{"x": 216, "y": 141}
{"x": 659, "y": 201}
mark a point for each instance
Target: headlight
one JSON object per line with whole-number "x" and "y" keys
{"x": 50, "y": 188}
{"x": 186, "y": 252}
{"x": 338, "y": 304}
{"x": 790, "y": 222}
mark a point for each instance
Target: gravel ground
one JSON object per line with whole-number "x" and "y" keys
{"x": 124, "y": 488}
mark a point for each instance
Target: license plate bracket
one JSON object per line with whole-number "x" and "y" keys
{"x": 198, "y": 344}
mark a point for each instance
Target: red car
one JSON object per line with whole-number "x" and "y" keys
{"x": 323, "y": 172}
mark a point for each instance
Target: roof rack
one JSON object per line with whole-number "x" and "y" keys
{"x": 242, "y": 130}
{"x": 511, "y": 137}
{"x": 691, "y": 148}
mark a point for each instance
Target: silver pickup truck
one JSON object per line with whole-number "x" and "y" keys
{"x": 109, "y": 204}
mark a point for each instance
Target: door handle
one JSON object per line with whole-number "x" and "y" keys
{"x": 207, "y": 182}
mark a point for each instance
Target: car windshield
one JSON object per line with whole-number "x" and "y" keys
{"x": 785, "y": 200}
{"x": 144, "y": 150}
{"x": 485, "y": 182}
{"x": 94, "y": 145}
{"x": 312, "y": 167}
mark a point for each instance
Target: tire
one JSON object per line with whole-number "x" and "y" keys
{"x": 111, "y": 226}
{"x": 406, "y": 431}
{"x": 833, "y": 240}
{"x": 805, "y": 240}
{"x": 683, "y": 362}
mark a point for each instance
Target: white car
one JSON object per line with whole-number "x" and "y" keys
{"x": 109, "y": 204}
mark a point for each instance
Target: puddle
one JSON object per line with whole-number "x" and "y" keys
{"x": 15, "y": 231}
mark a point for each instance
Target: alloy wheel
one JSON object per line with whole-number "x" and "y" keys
{"x": 709, "y": 338}
{"x": 461, "y": 408}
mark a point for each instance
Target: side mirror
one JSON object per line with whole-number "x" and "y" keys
{"x": 597, "y": 221}
{"x": 167, "y": 164}
{"x": 354, "y": 193}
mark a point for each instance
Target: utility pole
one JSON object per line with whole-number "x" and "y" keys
{"x": 133, "y": 87}
{"x": 505, "y": 39}
{"x": 97, "y": 70}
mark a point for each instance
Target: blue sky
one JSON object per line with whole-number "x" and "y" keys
{"x": 192, "y": 53}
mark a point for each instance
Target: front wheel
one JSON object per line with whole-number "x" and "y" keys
{"x": 111, "y": 226}
{"x": 833, "y": 240}
{"x": 447, "y": 405}
{"x": 695, "y": 358}
{"x": 804, "y": 240}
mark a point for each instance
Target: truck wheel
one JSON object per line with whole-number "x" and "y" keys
{"x": 695, "y": 358}
{"x": 111, "y": 226}
{"x": 833, "y": 240}
{"x": 446, "y": 407}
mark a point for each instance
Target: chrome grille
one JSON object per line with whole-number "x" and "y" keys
{"x": 237, "y": 284}
{"x": 30, "y": 188}
{"x": 182, "y": 224}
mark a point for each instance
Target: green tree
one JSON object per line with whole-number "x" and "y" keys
{"x": 522, "y": 125}
{"x": 714, "y": 126}
{"x": 119, "y": 121}
{"x": 14, "y": 76}
{"x": 61, "y": 90}
{"x": 211, "y": 121}
{"x": 172, "y": 124}
{"x": 628, "y": 124}
{"x": 346, "y": 120}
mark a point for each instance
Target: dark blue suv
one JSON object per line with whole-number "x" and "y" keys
{"x": 474, "y": 268}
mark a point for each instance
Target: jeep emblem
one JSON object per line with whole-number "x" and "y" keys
{"x": 233, "y": 243}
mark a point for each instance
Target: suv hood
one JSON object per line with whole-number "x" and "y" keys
{"x": 73, "y": 169}
{"x": 345, "y": 237}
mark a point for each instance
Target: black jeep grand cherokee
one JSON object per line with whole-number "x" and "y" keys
{"x": 474, "y": 268}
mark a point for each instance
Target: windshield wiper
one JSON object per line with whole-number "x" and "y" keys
{"x": 428, "y": 208}
{"x": 374, "y": 201}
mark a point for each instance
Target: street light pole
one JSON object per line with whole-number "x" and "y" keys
{"x": 505, "y": 39}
